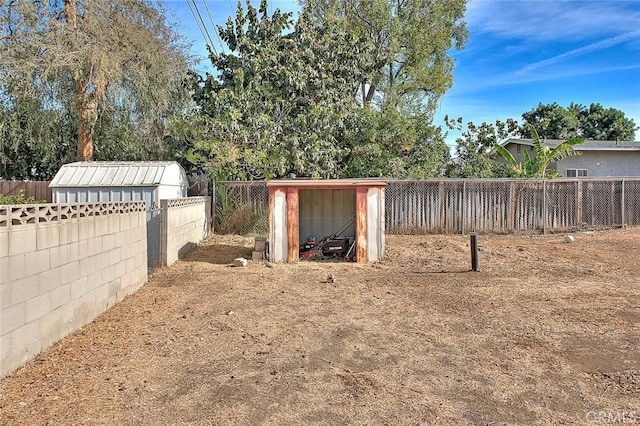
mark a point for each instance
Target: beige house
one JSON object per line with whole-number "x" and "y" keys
{"x": 598, "y": 158}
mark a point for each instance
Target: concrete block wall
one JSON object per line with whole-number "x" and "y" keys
{"x": 60, "y": 267}
{"x": 185, "y": 223}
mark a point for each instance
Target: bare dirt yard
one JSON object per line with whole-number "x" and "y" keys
{"x": 547, "y": 332}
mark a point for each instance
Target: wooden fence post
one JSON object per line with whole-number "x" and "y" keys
{"x": 579, "y": 215}
{"x": 512, "y": 206}
{"x": 464, "y": 206}
{"x": 544, "y": 207}
{"x": 442, "y": 206}
{"x": 622, "y": 203}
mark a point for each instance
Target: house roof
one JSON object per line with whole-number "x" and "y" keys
{"x": 587, "y": 145}
{"x": 118, "y": 173}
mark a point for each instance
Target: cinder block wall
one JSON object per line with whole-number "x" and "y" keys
{"x": 185, "y": 224}
{"x": 60, "y": 267}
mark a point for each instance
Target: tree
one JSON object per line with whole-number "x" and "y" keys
{"x": 408, "y": 65}
{"x": 277, "y": 105}
{"x": 475, "y": 155}
{"x": 34, "y": 141}
{"x": 553, "y": 121}
{"x": 90, "y": 57}
{"x": 537, "y": 166}
{"x": 390, "y": 144}
{"x": 606, "y": 124}
{"x": 282, "y": 104}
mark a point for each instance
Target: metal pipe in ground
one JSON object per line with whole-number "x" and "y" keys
{"x": 474, "y": 252}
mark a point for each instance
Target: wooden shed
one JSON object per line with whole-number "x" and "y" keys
{"x": 299, "y": 208}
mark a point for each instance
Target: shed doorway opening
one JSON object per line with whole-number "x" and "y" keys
{"x": 362, "y": 199}
{"x": 322, "y": 213}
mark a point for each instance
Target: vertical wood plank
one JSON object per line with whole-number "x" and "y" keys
{"x": 579, "y": 216}
{"x": 293, "y": 245}
{"x": 361, "y": 225}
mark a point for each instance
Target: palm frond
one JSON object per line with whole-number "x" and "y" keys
{"x": 565, "y": 149}
{"x": 508, "y": 156}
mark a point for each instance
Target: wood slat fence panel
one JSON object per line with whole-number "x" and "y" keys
{"x": 491, "y": 205}
{"x": 37, "y": 189}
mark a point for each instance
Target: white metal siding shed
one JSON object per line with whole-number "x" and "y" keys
{"x": 119, "y": 181}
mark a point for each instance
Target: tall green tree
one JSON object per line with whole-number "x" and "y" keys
{"x": 91, "y": 57}
{"x": 595, "y": 122}
{"x": 606, "y": 124}
{"x": 409, "y": 66}
{"x": 281, "y": 100}
{"x": 391, "y": 144}
{"x": 475, "y": 156}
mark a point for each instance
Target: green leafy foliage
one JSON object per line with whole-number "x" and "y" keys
{"x": 279, "y": 102}
{"x": 19, "y": 198}
{"x": 283, "y": 104}
{"x": 34, "y": 141}
{"x": 538, "y": 166}
{"x": 391, "y": 144}
{"x": 475, "y": 155}
{"x": 409, "y": 66}
{"x": 595, "y": 122}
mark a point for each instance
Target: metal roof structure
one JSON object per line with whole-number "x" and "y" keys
{"x": 587, "y": 145}
{"x": 117, "y": 173}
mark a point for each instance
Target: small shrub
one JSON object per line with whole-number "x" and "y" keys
{"x": 234, "y": 217}
{"x": 18, "y": 198}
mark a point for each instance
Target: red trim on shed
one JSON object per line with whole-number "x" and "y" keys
{"x": 293, "y": 245}
{"x": 361, "y": 225}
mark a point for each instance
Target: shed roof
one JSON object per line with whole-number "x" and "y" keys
{"x": 325, "y": 183}
{"x": 118, "y": 173}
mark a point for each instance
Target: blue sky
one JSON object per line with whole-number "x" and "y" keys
{"x": 519, "y": 53}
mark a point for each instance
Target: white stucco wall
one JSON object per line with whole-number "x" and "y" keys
{"x": 603, "y": 163}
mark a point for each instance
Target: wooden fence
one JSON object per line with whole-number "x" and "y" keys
{"x": 511, "y": 206}
{"x": 40, "y": 189}
{"x": 490, "y": 205}
{"x": 37, "y": 189}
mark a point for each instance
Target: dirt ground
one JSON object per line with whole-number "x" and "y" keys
{"x": 547, "y": 332}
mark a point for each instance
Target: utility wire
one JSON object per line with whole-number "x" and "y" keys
{"x": 195, "y": 19}
{"x": 201, "y": 21}
{"x": 215, "y": 27}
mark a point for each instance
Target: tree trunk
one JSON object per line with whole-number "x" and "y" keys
{"x": 370, "y": 93}
{"x": 70, "y": 12}
{"x": 87, "y": 109}
{"x": 86, "y": 94}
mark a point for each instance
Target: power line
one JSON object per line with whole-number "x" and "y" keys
{"x": 215, "y": 27}
{"x": 197, "y": 23}
{"x": 201, "y": 21}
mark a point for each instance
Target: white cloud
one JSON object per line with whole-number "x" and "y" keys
{"x": 518, "y": 77}
{"x": 547, "y": 20}
{"x": 584, "y": 50}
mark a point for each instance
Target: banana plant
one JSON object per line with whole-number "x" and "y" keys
{"x": 536, "y": 167}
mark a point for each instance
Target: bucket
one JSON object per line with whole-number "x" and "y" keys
{"x": 260, "y": 244}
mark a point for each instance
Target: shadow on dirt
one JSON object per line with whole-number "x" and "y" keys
{"x": 218, "y": 254}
